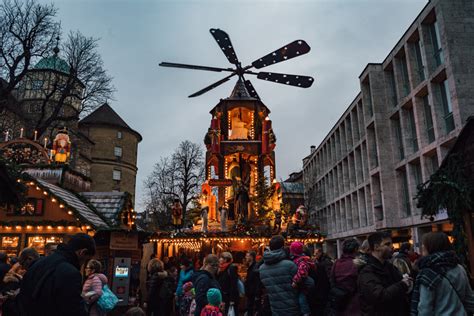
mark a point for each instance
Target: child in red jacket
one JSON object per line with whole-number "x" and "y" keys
{"x": 301, "y": 280}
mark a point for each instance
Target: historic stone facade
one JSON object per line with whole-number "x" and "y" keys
{"x": 114, "y": 154}
{"x": 393, "y": 136}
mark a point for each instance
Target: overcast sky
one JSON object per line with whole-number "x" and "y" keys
{"x": 136, "y": 35}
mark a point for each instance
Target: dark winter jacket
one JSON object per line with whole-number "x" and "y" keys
{"x": 276, "y": 275}
{"x": 52, "y": 286}
{"x": 319, "y": 296}
{"x": 252, "y": 280}
{"x": 4, "y": 268}
{"x": 381, "y": 290}
{"x": 203, "y": 281}
{"x": 228, "y": 279}
{"x": 344, "y": 276}
{"x": 160, "y": 288}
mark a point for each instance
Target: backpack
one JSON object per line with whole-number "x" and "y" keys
{"x": 107, "y": 300}
{"x": 339, "y": 297}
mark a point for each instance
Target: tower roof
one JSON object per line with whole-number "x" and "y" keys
{"x": 105, "y": 115}
{"x": 53, "y": 63}
{"x": 240, "y": 92}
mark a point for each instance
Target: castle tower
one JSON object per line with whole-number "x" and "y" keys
{"x": 114, "y": 154}
{"x": 240, "y": 144}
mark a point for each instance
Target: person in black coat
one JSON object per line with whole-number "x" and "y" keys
{"x": 228, "y": 278}
{"x": 4, "y": 266}
{"x": 382, "y": 289}
{"x": 251, "y": 282}
{"x": 203, "y": 280}
{"x": 160, "y": 288}
{"x": 52, "y": 286}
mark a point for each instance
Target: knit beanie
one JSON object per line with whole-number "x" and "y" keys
{"x": 296, "y": 248}
{"x": 187, "y": 286}
{"x": 214, "y": 297}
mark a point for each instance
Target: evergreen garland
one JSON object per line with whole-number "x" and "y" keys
{"x": 448, "y": 189}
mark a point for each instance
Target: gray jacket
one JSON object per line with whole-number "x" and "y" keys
{"x": 276, "y": 275}
{"x": 443, "y": 300}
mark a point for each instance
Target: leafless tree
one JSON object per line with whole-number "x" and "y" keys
{"x": 87, "y": 85}
{"x": 29, "y": 32}
{"x": 178, "y": 176}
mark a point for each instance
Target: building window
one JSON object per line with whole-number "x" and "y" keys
{"x": 117, "y": 175}
{"x": 412, "y": 126}
{"x": 34, "y": 108}
{"x": 436, "y": 40}
{"x": 119, "y": 135}
{"x": 37, "y": 85}
{"x": 393, "y": 86}
{"x": 419, "y": 61}
{"x": 405, "y": 193}
{"x": 370, "y": 109}
{"x": 405, "y": 78}
{"x": 398, "y": 135}
{"x": 118, "y": 151}
{"x": 428, "y": 120}
{"x": 447, "y": 106}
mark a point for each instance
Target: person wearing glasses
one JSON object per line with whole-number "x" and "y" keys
{"x": 92, "y": 288}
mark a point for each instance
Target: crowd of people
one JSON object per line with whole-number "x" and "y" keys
{"x": 367, "y": 279}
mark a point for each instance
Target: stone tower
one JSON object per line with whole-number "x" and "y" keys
{"x": 114, "y": 154}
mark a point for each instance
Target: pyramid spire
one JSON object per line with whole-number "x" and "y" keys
{"x": 240, "y": 91}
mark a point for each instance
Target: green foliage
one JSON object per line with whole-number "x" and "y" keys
{"x": 449, "y": 189}
{"x": 262, "y": 198}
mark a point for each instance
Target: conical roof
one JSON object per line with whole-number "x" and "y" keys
{"x": 105, "y": 115}
{"x": 240, "y": 92}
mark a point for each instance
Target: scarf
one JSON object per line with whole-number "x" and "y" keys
{"x": 432, "y": 269}
{"x": 224, "y": 266}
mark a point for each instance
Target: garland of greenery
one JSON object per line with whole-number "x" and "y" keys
{"x": 14, "y": 172}
{"x": 449, "y": 189}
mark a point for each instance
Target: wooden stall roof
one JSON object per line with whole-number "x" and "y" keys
{"x": 80, "y": 209}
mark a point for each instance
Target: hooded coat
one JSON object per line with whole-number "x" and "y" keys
{"x": 381, "y": 289}
{"x": 276, "y": 274}
{"x": 52, "y": 286}
{"x": 94, "y": 283}
{"x": 203, "y": 281}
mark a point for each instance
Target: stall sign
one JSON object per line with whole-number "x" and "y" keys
{"x": 123, "y": 241}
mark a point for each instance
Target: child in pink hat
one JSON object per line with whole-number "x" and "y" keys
{"x": 301, "y": 280}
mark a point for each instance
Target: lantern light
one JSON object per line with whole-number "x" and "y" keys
{"x": 69, "y": 212}
{"x": 61, "y": 205}
{"x": 50, "y": 227}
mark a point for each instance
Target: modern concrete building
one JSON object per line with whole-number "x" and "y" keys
{"x": 363, "y": 177}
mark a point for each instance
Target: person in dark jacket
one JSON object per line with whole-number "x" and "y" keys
{"x": 228, "y": 278}
{"x": 205, "y": 279}
{"x": 12, "y": 281}
{"x": 383, "y": 290}
{"x": 52, "y": 286}
{"x": 344, "y": 276}
{"x": 251, "y": 282}
{"x": 320, "y": 294}
{"x": 4, "y": 266}
{"x": 276, "y": 274}
{"x": 155, "y": 288}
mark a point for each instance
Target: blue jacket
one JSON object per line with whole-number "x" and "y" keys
{"x": 276, "y": 274}
{"x": 184, "y": 276}
{"x": 443, "y": 300}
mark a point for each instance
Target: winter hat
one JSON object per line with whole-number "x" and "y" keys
{"x": 296, "y": 248}
{"x": 187, "y": 286}
{"x": 214, "y": 297}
